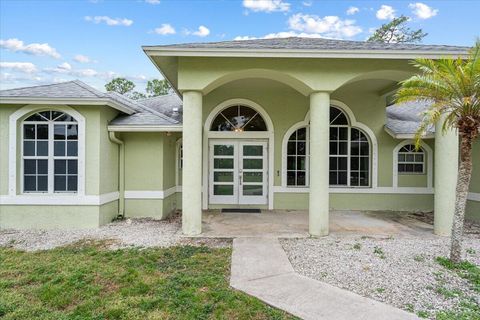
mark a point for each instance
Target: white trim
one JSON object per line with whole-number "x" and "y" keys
{"x": 296, "y": 53}
{"x": 268, "y": 135}
{"x": 12, "y": 151}
{"x": 410, "y": 136}
{"x": 178, "y": 145}
{"x": 145, "y": 128}
{"x": 59, "y": 200}
{"x": 353, "y": 123}
{"x": 359, "y": 190}
{"x": 150, "y": 194}
{"x": 67, "y": 101}
{"x": 474, "y": 196}
{"x": 429, "y": 163}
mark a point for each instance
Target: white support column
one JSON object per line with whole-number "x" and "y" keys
{"x": 192, "y": 163}
{"x": 319, "y": 164}
{"x": 446, "y": 171}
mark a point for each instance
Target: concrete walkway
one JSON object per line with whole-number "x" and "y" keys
{"x": 261, "y": 269}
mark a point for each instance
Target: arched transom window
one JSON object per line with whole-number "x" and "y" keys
{"x": 238, "y": 118}
{"x": 50, "y": 153}
{"x": 411, "y": 160}
{"x": 349, "y": 154}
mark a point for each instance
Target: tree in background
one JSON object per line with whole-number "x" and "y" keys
{"x": 125, "y": 87}
{"x": 157, "y": 87}
{"x": 452, "y": 87}
{"x": 396, "y": 31}
{"x": 120, "y": 85}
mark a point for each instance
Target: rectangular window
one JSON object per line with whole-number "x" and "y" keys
{"x": 411, "y": 160}
{"x": 50, "y": 153}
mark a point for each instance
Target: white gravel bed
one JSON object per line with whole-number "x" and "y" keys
{"x": 127, "y": 233}
{"x": 401, "y": 272}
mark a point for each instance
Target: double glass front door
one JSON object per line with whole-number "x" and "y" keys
{"x": 238, "y": 172}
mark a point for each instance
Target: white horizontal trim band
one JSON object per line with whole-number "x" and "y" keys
{"x": 150, "y": 194}
{"x": 145, "y": 128}
{"x": 378, "y": 190}
{"x": 287, "y": 53}
{"x": 59, "y": 199}
{"x": 474, "y": 196}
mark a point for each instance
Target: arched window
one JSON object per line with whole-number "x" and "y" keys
{"x": 238, "y": 118}
{"x": 411, "y": 160}
{"x": 50, "y": 153}
{"x": 349, "y": 154}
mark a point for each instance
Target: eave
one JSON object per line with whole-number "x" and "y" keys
{"x": 67, "y": 101}
{"x": 406, "y": 136}
{"x": 144, "y": 128}
{"x": 299, "y": 53}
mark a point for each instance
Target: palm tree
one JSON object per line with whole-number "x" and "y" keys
{"x": 452, "y": 89}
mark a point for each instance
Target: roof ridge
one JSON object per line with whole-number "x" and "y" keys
{"x": 89, "y": 88}
{"x": 37, "y": 86}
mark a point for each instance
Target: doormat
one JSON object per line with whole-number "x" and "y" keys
{"x": 241, "y": 210}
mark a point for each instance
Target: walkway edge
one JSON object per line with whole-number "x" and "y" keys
{"x": 260, "y": 268}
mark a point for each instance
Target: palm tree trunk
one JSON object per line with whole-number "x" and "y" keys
{"x": 463, "y": 182}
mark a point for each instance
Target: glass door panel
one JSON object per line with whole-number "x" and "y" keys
{"x": 223, "y": 176}
{"x": 238, "y": 172}
{"x": 253, "y": 173}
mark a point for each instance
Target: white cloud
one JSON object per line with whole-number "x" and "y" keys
{"x": 385, "y": 13}
{"x": 82, "y": 59}
{"x": 37, "y": 49}
{"x": 65, "y": 66}
{"x": 25, "y": 67}
{"x": 307, "y": 3}
{"x": 153, "y": 1}
{"x": 266, "y": 5}
{"x": 328, "y": 26}
{"x": 422, "y": 11}
{"x": 352, "y": 10}
{"x": 201, "y": 32}
{"x": 110, "y": 21}
{"x": 164, "y": 29}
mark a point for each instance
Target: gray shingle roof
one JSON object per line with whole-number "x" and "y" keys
{"x": 142, "y": 114}
{"x": 156, "y": 111}
{"x": 170, "y": 105}
{"x": 314, "y": 44}
{"x": 405, "y": 118}
{"x": 71, "y": 89}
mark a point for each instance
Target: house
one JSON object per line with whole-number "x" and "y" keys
{"x": 290, "y": 123}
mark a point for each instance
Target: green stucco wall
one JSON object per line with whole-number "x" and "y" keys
{"x": 101, "y": 175}
{"x": 473, "y": 207}
{"x": 381, "y": 202}
{"x": 150, "y": 166}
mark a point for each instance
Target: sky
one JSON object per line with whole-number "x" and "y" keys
{"x": 94, "y": 41}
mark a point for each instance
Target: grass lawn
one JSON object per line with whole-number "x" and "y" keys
{"x": 87, "y": 281}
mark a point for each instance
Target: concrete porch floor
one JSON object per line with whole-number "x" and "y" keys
{"x": 294, "y": 224}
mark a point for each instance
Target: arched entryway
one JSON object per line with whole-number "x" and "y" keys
{"x": 238, "y": 155}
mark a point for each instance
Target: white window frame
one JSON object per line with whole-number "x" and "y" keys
{"x": 307, "y": 158}
{"x": 16, "y": 154}
{"x": 50, "y": 157}
{"x": 266, "y": 135}
{"x": 414, "y": 162}
{"x": 428, "y": 153}
{"x": 352, "y": 123}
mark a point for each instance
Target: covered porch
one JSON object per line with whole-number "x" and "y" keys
{"x": 294, "y": 224}
{"x": 319, "y": 144}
